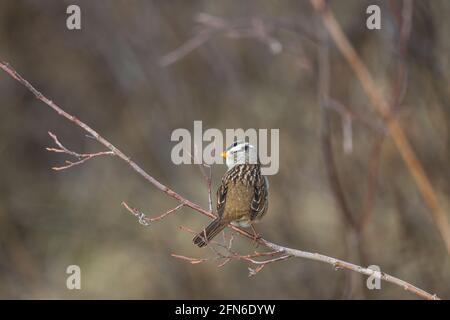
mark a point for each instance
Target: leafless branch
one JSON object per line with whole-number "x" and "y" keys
{"x": 230, "y": 255}
{"x": 146, "y": 221}
{"x": 206, "y": 176}
{"x": 281, "y": 249}
{"x": 346, "y": 112}
{"x": 400, "y": 73}
{"x": 83, "y": 157}
{"x": 383, "y": 108}
{"x": 324, "y": 97}
{"x": 210, "y": 26}
{"x": 352, "y": 235}
{"x": 190, "y": 260}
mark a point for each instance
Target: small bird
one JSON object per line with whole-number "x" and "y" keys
{"x": 242, "y": 198}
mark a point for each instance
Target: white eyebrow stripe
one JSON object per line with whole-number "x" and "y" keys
{"x": 239, "y": 146}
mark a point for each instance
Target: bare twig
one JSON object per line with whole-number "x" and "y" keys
{"x": 346, "y": 112}
{"x": 229, "y": 255}
{"x": 206, "y": 176}
{"x": 352, "y": 235}
{"x": 404, "y": 23}
{"x": 324, "y": 97}
{"x": 146, "y": 221}
{"x": 83, "y": 157}
{"x": 339, "y": 264}
{"x": 382, "y": 107}
{"x": 186, "y": 48}
{"x": 190, "y": 260}
{"x": 211, "y": 25}
{"x": 283, "y": 250}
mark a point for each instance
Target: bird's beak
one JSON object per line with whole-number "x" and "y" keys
{"x": 224, "y": 154}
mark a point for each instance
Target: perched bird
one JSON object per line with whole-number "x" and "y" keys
{"x": 242, "y": 197}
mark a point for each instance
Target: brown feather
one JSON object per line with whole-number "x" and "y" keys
{"x": 242, "y": 197}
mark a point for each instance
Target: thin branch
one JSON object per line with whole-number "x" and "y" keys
{"x": 186, "y": 48}
{"x": 346, "y": 112}
{"x": 146, "y": 221}
{"x": 206, "y": 176}
{"x": 274, "y": 256}
{"x": 83, "y": 157}
{"x": 190, "y": 260}
{"x": 211, "y": 25}
{"x": 352, "y": 238}
{"x": 382, "y": 107}
{"x": 340, "y": 264}
{"x": 400, "y": 71}
{"x": 284, "y": 250}
{"x": 327, "y": 147}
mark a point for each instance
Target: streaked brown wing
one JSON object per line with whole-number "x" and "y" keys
{"x": 258, "y": 206}
{"x": 221, "y": 197}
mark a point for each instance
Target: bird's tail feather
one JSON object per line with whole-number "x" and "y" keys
{"x": 209, "y": 232}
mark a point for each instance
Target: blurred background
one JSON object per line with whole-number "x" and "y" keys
{"x": 137, "y": 70}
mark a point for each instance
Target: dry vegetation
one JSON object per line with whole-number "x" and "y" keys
{"x": 363, "y": 117}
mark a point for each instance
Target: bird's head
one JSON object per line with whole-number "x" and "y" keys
{"x": 240, "y": 152}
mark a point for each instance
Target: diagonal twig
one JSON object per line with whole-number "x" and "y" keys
{"x": 146, "y": 221}
{"x": 83, "y": 157}
{"x": 382, "y": 107}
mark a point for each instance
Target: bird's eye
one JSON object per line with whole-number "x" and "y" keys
{"x": 234, "y": 144}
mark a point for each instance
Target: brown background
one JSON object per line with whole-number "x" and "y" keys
{"x": 109, "y": 75}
